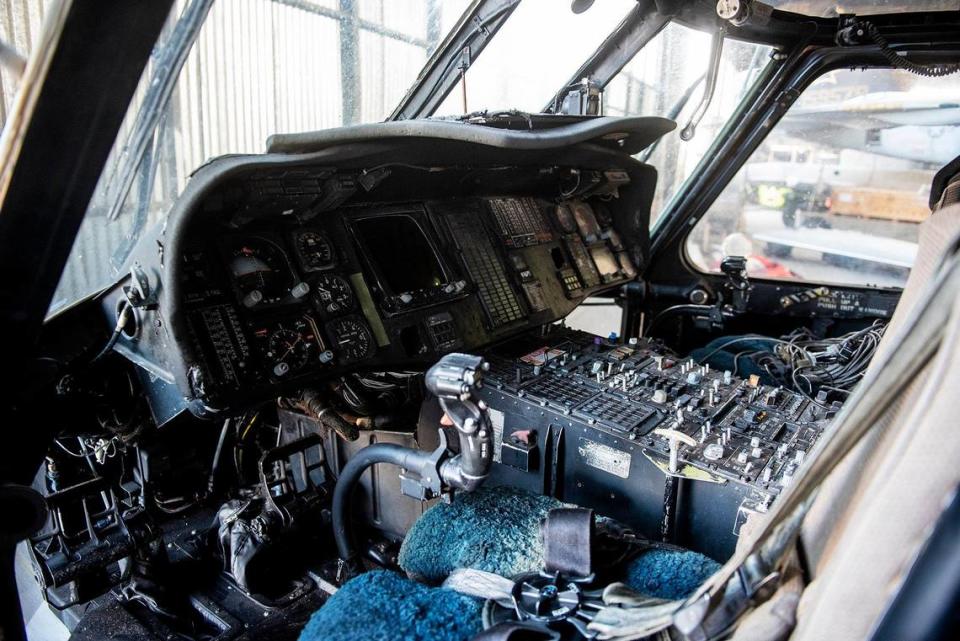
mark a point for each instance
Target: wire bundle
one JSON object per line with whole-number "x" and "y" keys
{"x": 835, "y": 364}
{"x": 804, "y": 362}
{"x": 358, "y": 391}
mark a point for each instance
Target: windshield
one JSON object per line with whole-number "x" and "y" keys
{"x": 242, "y": 70}
{"x": 838, "y": 189}
{"x": 257, "y": 67}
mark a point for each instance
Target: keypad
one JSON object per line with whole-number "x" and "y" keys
{"x": 521, "y": 221}
{"x": 480, "y": 258}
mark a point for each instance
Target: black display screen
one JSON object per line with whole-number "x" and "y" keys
{"x": 401, "y": 252}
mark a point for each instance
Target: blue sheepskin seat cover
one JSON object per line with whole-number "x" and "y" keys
{"x": 385, "y": 606}
{"x": 495, "y": 529}
{"x": 669, "y": 574}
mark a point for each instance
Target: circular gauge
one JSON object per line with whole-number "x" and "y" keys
{"x": 333, "y": 294}
{"x": 260, "y": 271}
{"x": 352, "y": 340}
{"x": 290, "y": 346}
{"x": 315, "y": 249}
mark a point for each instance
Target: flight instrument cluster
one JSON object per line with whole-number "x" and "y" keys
{"x": 275, "y": 302}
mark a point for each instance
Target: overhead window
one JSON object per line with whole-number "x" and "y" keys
{"x": 837, "y": 190}
{"x": 533, "y": 55}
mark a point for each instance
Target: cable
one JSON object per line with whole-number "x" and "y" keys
{"x": 740, "y": 339}
{"x": 246, "y": 430}
{"x": 68, "y": 451}
{"x": 211, "y": 481}
{"x": 808, "y": 364}
{"x": 899, "y": 62}
{"x": 573, "y": 190}
{"x": 122, "y": 319}
{"x": 677, "y": 309}
{"x": 239, "y": 445}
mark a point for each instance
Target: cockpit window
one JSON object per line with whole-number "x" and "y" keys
{"x": 837, "y": 191}
{"x": 666, "y": 78}
{"x": 257, "y": 67}
{"x": 533, "y": 55}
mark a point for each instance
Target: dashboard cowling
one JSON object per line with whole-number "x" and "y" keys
{"x": 272, "y": 279}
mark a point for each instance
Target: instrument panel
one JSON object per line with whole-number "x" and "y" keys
{"x": 275, "y": 303}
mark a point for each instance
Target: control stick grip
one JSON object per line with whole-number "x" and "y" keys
{"x": 453, "y": 380}
{"x": 455, "y": 376}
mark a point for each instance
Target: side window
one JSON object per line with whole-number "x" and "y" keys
{"x": 666, "y": 78}
{"x": 837, "y": 190}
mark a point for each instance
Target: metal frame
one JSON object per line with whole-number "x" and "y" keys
{"x": 640, "y": 25}
{"x": 75, "y": 94}
{"x": 478, "y": 25}
{"x": 162, "y": 82}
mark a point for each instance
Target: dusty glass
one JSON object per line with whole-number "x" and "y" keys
{"x": 837, "y": 190}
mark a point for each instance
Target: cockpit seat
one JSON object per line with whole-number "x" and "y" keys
{"x": 386, "y": 606}
{"x": 495, "y": 529}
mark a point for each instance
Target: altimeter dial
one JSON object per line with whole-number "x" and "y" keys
{"x": 352, "y": 340}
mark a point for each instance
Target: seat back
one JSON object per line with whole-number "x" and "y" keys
{"x": 874, "y": 511}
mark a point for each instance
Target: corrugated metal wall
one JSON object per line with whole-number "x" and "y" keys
{"x": 268, "y": 66}
{"x": 21, "y": 22}
{"x": 258, "y": 67}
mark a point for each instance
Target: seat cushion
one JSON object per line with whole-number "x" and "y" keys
{"x": 495, "y": 529}
{"x": 386, "y": 606}
{"x": 669, "y": 574}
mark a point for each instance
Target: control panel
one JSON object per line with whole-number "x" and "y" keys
{"x": 270, "y": 305}
{"x": 520, "y": 221}
{"x": 485, "y": 266}
{"x": 583, "y": 418}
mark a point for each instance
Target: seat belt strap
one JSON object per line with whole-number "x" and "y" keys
{"x": 567, "y": 538}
